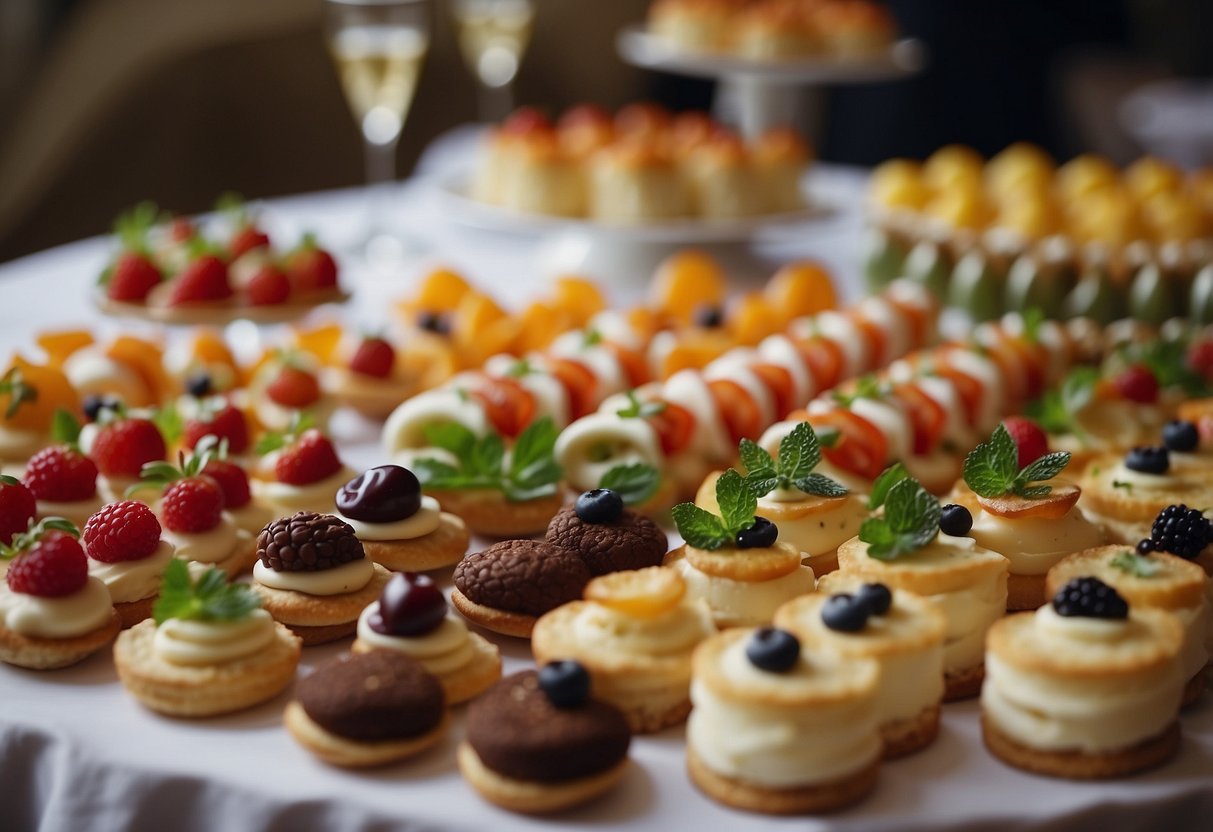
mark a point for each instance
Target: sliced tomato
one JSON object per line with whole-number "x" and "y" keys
{"x": 674, "y": 425}
{"x": 779, "y": 381}
{"x": 1034, "y": 360}
{"x": 1011, "y": 371}
{"x": 634, "y": 364}
{"x": 824, "y": 360}
{"x": 926, "y": 415}
{"x": 919, "y": 319}
{"x": 740, "y": 414}
{"x": 969, "y": 389}
{"x": 860, "y": 447}
{"x": 509, "y": 406}
{"x": 874, "y": 334}
{"x": 579, "y": 383}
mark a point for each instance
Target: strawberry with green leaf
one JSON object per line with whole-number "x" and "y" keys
{"x": 134, "y": 273}
{"x": 192, "y": 502}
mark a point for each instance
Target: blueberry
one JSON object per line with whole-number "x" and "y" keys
{"x": 1090, "y": 598}
{"x": 709, "y": 317}
{"x": 772, "y": 650}
{"x": 434, "y": 322}
{"x": 1148, "y": 460}
{"x": 876, "y": 597}
{"x": 1180, "y": 436}
{"x": 955, "y": 520}
{"x": 760, "y": 535}
{"x": 566, "y": 683}
{"x": 602, "y": 505}
{"x": 94, "y": 404}
{"x": 845, "y": 613}
{"x": 199, "y": 385}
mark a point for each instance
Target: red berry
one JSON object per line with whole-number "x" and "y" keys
{"x": 1030, "y": 439}
{"x": 203, "y": 279}
{"x": 294, "y": 387}
{"x": 247, "y": 239}
{"x": 311, "y": 269}
{"x": 268, "y": 286}
{"x": 193, "y": 504}
{"x": 17, "y": 507}
{"x": 310, "y": 459}
{"x": 1200, "y": 358}
{"x": 60, "y": 474}
{"x": 374, "y": 357}
{"x": 54, "y": 566}
{"x": 127, "y": 530}
{"x": 134, "y": 275}
{"x": 121, "y": 448}
{"x": 232, "y": 481}
{"x": 228, "y": 422}
{"x": 1138, "y": 384}
{"x": 180, "y": 229}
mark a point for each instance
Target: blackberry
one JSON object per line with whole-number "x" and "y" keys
{"x": 1090, "y": 598}
{"x": 1181, "y": 531}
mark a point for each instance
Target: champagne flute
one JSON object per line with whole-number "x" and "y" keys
{"x": 493, "y": 35}
{"x": 378, "y": 47}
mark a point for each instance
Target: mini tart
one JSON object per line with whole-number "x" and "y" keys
{"x": 1179, "y": 587}
{"x": 238, "y": 561}
{"x": 367, "y": 709}
{"x": 1083, "y": 698}
{"x": 134, "y": 585}
{"x": 319, "y": 619}
{"x": 203, "y": 690}
{"x": 968, "y": 583}
{"x": 371, "y": 396}
{"x": 488, "y": 513}
{"x": 1126, "y": 513}
{"x": 443, "y": 546}
{"x": 284, "y": 499}
{"x": 795, "y": 742}
{"x": 36, "y": 652}
{"x": 218, "y": 313}
{"x": 742, "y": 587}
{"x": 631, "y": 542}
{"x": 907, "y": 643}
{"x": 524, "y": 754}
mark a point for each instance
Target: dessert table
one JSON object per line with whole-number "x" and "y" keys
{"x": 76, "y": 752}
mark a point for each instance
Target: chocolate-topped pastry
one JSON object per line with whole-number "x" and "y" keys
{"x": 536, "y": 742}
{"x": 366, "y": 709}
{"x": 509, "y": 585}
{"x": 609, "y": 537}
{"x": 380, "y": 495}
{"x": 307, "y": 542}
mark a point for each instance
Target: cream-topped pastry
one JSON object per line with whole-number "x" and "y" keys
{"x": 300, "y": 471}
{"x": 1123, "y": 494}
{"x": 128, "y": 554}
{"x": 634, "y": 633}
{"x": 284, "y": 388}
{"x": 780, "y": 729}
{"x": 412, "y": 617}
{"x": 64, "y": 481}
{"x": 1084, "y": 687}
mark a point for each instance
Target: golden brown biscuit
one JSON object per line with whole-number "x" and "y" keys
{"x": 906, "y": 736}
{"x": 805, "y": 800}
{"x": 487, "y": 512}
{"x": 1177, "y": 583}
{"x": 1076, "y": 765}
{"x": 534, "y": 798}
{"x": 36, "y": 653}
{"x": 339, "y": 751}
{"x": 1131, "y": 505}
{"x": 442, "y": 547}
{"x": 319, "y": 619}
{"x": 514, "y": 624}
{"x": 749, "y": 565}
{"x": 963, "y": 684}
{"x": 1025, "y": 592}
{"x": 131, "y": 613}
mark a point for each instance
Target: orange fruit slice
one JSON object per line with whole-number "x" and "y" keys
{"x": 800, "y": 288}
{"x": 442, "y": 290}
{"x": 579, "y": 298}
{"x": 641, "y": 593}
{"x": 321, "y": 341}
{"x": 59, "y": 345}
{"x": 53, "y": 392}
{"x": 753, "y": 319}
{"x": 685, "y": 282}
{"x": 146, "y": 358}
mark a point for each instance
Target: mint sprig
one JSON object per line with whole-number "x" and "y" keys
{"x": 160, "y": 473}
{"x": 65, "y": 429}
{"x": 638, "y": 409}
{"x": 1056, "y": 411}
{"x": 19, "y": 391}
{"x": 276, "y": 440}
{"x": 992, "y": 468}
{"x": 528, "y": 472}
{"x": 210, "y": 598}
{"x": 888, "y": 478}
{"x": 864, "y": 387}
{"x": 634, "y": 483}
{"x": 169, "y": 422}
{"x": 910, "y": 521}
{"x": 704, "y": 530}
{"x": 1135, "y": 564}
{"x": 799, "y": 454}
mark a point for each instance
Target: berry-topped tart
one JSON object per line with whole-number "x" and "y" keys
{"x": 412, "y": 617}
{"x": 1084, "y": 687}
{"x": 62, "y": 478}
{"x": 399, "y": 527}
{"x": 18, "y": 508}
{"x": 52, "y": 612}
{"x": 912, "y": 545}
{"x": 369, "y": 376}
{"x": 30, "y": 394}
{"x": 121, "y": 444}
{"x": 126, "y": 552}
{"x": 299, "y": 470}
{"x": 1124, "y": 494}
{"x": 217, "y": 416}
{"x": 734, "y": 560}
{"x": 209, "y": 649}
{"x": 285, "y": 387}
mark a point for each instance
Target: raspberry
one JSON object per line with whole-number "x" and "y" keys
{"x": 228, "y": 422}
{"x": 203, "y": 279}
{"x": 294, "y": 387}
{"x": 61, "y": 474}
{"x": 192, "y": 505}
{"x": 374, "y": 357}
{"x": 232, "y": 481}
{"x": 1200, "y": 358}
{"x": 310, "y": 459}
{"x": 268, "y": 286}
{"x": 121, "y": 448}
{"x": 1181, "y": 531}
{"x": 307, "y": 542}
{"x": 1090, "y": 598}
{"x": 17, "y": 507}
{"x": 1137, "y": 384}
{"x": 127, "y": 530}
{"x": 1030, "y": 439}
{"x": 52, "y": 567}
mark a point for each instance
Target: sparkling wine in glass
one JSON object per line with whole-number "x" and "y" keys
{"x": 493, "y": 35}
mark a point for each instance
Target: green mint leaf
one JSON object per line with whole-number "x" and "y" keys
{"x": 637, "y": 409}
{"x": 58, "y": 524}
{"x": 911, "y": 510}
{"x": 433, "y": 473}
{"x": 65, "y": 428}
{"x": 487, "y": 456}
{"x": 532, "y": 460}
{"x": 1136, "y": 565}
{"x": 590, "y": 338}
{"x": 1127, "y": 486}
{"x": 270, "y": 442}
{"x": 992, "y": 467}
{"x": 13, "y": 383}
{"x": 761, "y": 486}
{"x": 864, "y": 387}
{"x": 1033, "y": 492}
{"x": 888, "y": 478}
{"x": 737, "y": 502}
{"x": 211, "y": 598}
{"x": 635, "y": 483}
{"x": 176, "y": 593}
{"x": 828, "y": 437}
{"x": 452, "y": 437}
{"x": 819, "y": 485}
{"x": 700, "y": 528}
{"x": 1045, "y": 468}
{"x": 521, "y": 367}
{"x": 882, "y": 541}
{"x": 169, "y": 422}
{"x": 756, "y": 460}
{"x": 799, "y": 452}
{"x": 1033, "y": 317}
{"x": 5, "y": 479}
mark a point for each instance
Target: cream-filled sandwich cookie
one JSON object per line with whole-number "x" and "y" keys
{"x": 781, "y": 730}
{"x": 635, "y": 633}
{"x": 299, "y": 472}
{"x": 411, "y": 617}
{"x": 1124, "y": 494}
{"x": 399, "y": 527}
{"x": 126, "y": 553}
{"x": 1084, "y": 687}
{"x": 209, "y": 650}
{"x": 313, "y": 576}
{"x": 901, "y": 631}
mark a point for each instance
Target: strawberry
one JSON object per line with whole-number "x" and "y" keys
{"x": 132, "y": 277}
{"x": 293, "y": 387}
{"x": 1200, "y": 358}
{"x": 245, "y": 240}
{"x": 127, "y": 530}
{"x": 374, "y": 357}
{"x": 61, "y": 474}
{"x": 232, "y": 481}
{"x": 269, "y": 286}
{"x": 50, "y": 564}
{"x": 1137, "y": 384}
{"x": 181, "y": 229}
{"x": 203, "y": 279}
{"x": 17, "y": 508}
{"x": 123, "y": 447}
{"x": 1030, "y": 439}
{"x": 191, "y": 505}
{"x": 310, "y": 459}
{"x": 225, "y": 422}
{"x": 311, "y": 268}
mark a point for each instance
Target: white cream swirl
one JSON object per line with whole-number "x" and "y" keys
{"x": 315, "y": 496}
{"x": 418, "y": 524}
{"x": 204, "y": 643}
{"x": 348, "y": 577}
{"x": 66, "y": 616}
{"x": 1139, "y": 479}
{"x": 444, "y": 650}
{"x": 744, "y": 603}
{"x": 1034, "y": 545}
{"x": 78, "y": 511}
{"x": 673, "y": 633}
{"x": 133, "y": 580}
{"x": 211, "y": 546}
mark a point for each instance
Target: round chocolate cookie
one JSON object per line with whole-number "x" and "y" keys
{"x": 307, "y": 542}
{"x": 516, "y": 731}
{"x": 522, "y": 576}
{"x": 369, "y": 697}
{"x": 633, "y": 541}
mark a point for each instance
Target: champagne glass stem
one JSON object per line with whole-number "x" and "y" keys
{"x": 495, "y": 102}
{"x": 380, "y": 176}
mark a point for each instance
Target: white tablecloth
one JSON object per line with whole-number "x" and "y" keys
{"x": 78, "y": 753}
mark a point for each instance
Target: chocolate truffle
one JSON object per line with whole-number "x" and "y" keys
{"x": 631, "y": 542}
